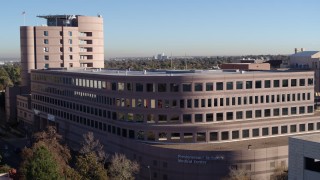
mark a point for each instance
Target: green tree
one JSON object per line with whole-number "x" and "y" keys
{"x": 122, "y": 168}
{"x": 4, "y": 79}
{"x": 91, "y": 159}
{"x": 42, "y": 165}
{"x": 89, "y": 167}
{"x": 52, "y": 141}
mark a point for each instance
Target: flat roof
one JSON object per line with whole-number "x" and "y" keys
{"x": 309, "y": 137}
{"x": 165, "y": 72}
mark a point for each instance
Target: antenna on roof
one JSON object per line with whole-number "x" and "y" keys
{"x": 24, "y": 18}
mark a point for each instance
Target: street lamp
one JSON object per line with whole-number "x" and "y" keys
{"x": 149, "y": 172}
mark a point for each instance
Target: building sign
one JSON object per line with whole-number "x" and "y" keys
{"x": 186, "y": 159}
{"x": 51, "y": 117}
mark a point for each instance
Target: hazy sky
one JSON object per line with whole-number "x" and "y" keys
{"x": 194, "y": 27}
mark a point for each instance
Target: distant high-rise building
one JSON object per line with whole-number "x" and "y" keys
{"x": 160, "y": 57}
{"x": 65, "y": 41}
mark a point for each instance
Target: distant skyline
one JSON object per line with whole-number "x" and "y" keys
{"x": 195, "y": 28}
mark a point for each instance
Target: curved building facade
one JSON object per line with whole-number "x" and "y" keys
{"x": 181, "y": 124}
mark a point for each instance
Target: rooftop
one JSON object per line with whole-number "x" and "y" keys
{"x": 309, "y": 137}
{"x": 165, "y": 72}
{"x": 305, "y": 53}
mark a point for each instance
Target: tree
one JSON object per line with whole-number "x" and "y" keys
{"x": 92, "y": 145}
{"x": 280, "y": 173}
{"x": 42, "y": 165}
{"x": 89, "y": 167}
{"x": 52, "y": 141}
{"x": 91, "y": 159}
{"x": 238, "y": 174}
{"x": 122, "y": 168}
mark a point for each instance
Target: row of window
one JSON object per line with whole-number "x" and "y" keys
{"x": 171, "y": 103}
{"x": 174, "y": 87}
{"x": 46, "y": 41}
{"x": 187, "y": 136}
{"x": 46, "y": 33}
{"x": 175, "y": 118}
{"x": 70, "y": 33}
{"x": 46, "y": 49}
{"x": 47, "y": 58}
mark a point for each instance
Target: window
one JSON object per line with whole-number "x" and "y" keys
{"x": 219, "y": 86}
{"x": 276, "y": 83}
{"x": 46, "y": 65}
{"x": 265, "y": 131}
{"x": 293, "y": 128}
{"x": 302, "y": 127}
{"x": 274, "y": 130}
{"x": 46, "y": 41}
{"x": 61, "y": 41}
{"x": 267, "y": 84}
{"x": 284, "y": 111}
{"x": 187, "y": 118}
{"x": 196, "y": 103}
{"x": 258, "y": 113}
{"x": 239, "y": 85}
{"x": 201, "y": 137}
{"x": 70, "y": 41}
{"x": 276, "y": 112}
{"x": 293, "y": 110}
{"x": 267, "y": 113}
{"x": 46, "y": 57}
{"x": 310, "y": 82}
{"x": 302, "y": 82}
{"x": 162, "y": 118}
{"x": 245, "y": 133}
{"x": 45, "y": 49}
{"x": 209, "y": 86}
{"x": 285, "y": 82}
{"x": 310, "y": 109}
{"x": 150, "y": 87}
{"x": 284, "y": 129}
{"x": 139, "y": 87}
{"x": 198, "y": 87}
{"x": 258, "y": 84}
{"x": 209, "y": 117}
{"x": 162, "y": 87}
{"x": 70, "y": 33}
{"x": 239, "y": 115}
{"x": 198, "y": 117}
{"x": 70, "y": 49}
{"x": 70, "y": 57}
{"x": 174, "y": 87}
{"x": 293, "y": 82}
{"x": 229, "y": 85}
{"x": 219, "y": 117}
{"x": 248, "y": 84}
{"x": 255, "y": 132}
{"x": 213, "y": 136}
{"x": 248, "y": 114}
{"x": 45, "y": 33}
{"x": 225, "y": 135}
{"x": 235, "y": 134}
{"x": 186, "y": 87}
{"x": 229, "y": 115}
{"x": 310, "y": 127}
